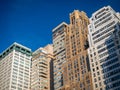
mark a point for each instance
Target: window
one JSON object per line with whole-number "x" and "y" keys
{"x": 99, "y": 78}
{"x": 97, "y": 68}
{"x": 103, "y": 37}
{"x": 95, "y": 80}
{"x": 109, "y": 62}
{"x": 91, "y": 55}
{"x": 96, "y": 63}
{"x": 94, "y": 53}
{"x": 100, "y": 84}
{"x": 19, "y": 88}
{"x": 104, "y": 21}
{"x": 98, "y": 73}
{"x": 91, "y": 60}
{"x": 112, "y": 73}
{"x": 13, "y": 87}
{"x": 96, "y": 85}
{"x": 111, "y": 67}
{"x": 109, "y": 57}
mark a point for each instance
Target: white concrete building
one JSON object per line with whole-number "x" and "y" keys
{"x": 104, "y": 51}
{"x": 15, "y": 64}
{"x": 59, "y": 54}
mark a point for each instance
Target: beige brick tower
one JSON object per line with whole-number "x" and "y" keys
{"x": 77, "y": 70}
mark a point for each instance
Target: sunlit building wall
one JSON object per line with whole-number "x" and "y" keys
{"x": 41, "y": 78}
{"x": 59, "y": 54}
{"x": 76, "y": 71}
{"x": 15, "y": 64}
{"x": 104, "y": 51}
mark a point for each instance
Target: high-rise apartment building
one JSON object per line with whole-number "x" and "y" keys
{"x": 76, "y": 72}
{"x": 15, "y": 64}
{"x": 59, "y": 54}
{"x": 41, "y": 69}
{"x": 104, "y": 50}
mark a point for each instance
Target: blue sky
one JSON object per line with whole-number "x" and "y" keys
{"x": 30, "y": 22}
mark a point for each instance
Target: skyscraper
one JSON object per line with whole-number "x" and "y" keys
{"x": 42, "y": 68}
{"x": 15, "y": 64}
{"x": 76, "y": 74}
{"x": 104, "y": 51}
{"x": 59, "y": 54}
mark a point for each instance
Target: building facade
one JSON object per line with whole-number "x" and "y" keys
{"x": 41, "y": 68}
{"x": 15, "y": 64}
{"x": 76, "y": 71}
{"x": 59, "y": 54}
{"x": 104, "y": 51}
